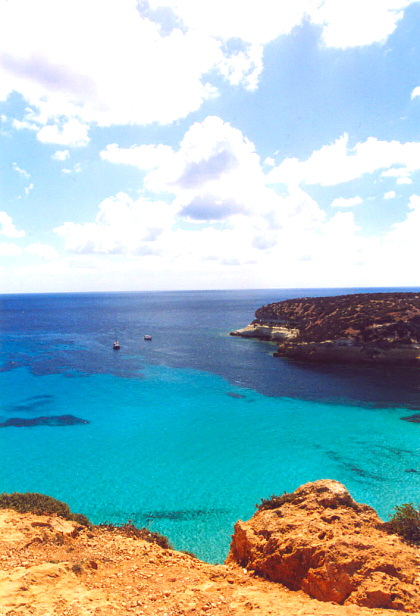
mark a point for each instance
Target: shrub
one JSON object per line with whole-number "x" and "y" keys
{"x": 77, "y": 568}
{"x": 40, "y": 504}
{"x": 130, "y": 530}
{"x": 275, "y": 501}
{"x": 406, "y": 523}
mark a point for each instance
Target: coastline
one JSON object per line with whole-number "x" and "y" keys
{"x": 362, "y": 328}
{"x": 313, "y": 552}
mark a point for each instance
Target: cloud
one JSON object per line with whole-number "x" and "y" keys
{"x": 141, "y": 156}
{"x": 243, "y": 67}
{"x": 206, "y": 208}
{"x": 401, "y": 242}
{"x": 213, "y": 158}
{"x": 415, "y": 93}
{"x": 357, "y": 23}
{"x": 7, "y": 227}
{"x": 9, "y": 250}
{"x": 61, "y": 155}
{"x": 122, "y": 70}
{"x": 214, "y": 180}
{"x": 342, "y": 202}
{"x": 338, "y": 162}
{"x": 344, "y": 24}
{"x": 390, "y": 195}
{"x": 122, "y": 226}
{"x": 396, "y": 172}
{"x": 128, "y": 62}
{"x": 54, "y": 77}
{"x": 43, "y": 251}
{"x": 75, "y": 169}
{"x": 72, "y": 133}
{"x": 22, "y": 172}
{"x": 211, "y": 219}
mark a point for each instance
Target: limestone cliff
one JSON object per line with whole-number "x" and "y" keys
{"x": 364, "y": 327}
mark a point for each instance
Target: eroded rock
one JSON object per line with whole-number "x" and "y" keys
{"x": 332, "y": 548}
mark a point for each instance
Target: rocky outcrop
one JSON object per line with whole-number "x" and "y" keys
{"x": 56, "y": 567}
{"x": 322, "y": 542}
{"x": 359, "y": 328}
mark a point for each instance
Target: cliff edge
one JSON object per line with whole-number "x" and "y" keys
{"x": 319, "y": 540}
{"x": 359, "y": 328}
{"x": 320, "y": 543}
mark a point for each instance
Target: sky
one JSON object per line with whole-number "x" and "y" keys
{"x": 197, "y": 144}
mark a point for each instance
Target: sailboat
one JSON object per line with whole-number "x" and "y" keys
{"x": 116, "y": 344}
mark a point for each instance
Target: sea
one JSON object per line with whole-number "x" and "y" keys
{"x": 186, "y": 433}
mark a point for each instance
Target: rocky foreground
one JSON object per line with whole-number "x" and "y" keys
{"x": 359, "y": 328}
{"x": 318, "y": 542}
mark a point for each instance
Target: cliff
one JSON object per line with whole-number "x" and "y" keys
{"x": 321, "y": 541}
{"x": 58, "y": 567}
{"x": 364, "y": 327}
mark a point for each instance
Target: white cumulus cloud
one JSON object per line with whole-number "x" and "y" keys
{"x": 61, "y": 155}
{"x": 141, "y": 156}
{"x": 112, "y": 63}
{"x": 122, "y": 226}
{"x": 71, "y": 133}
{"x": 100, "y": 62}
{"x": 214, "y": 178}
{"x": 43, "y": 251}
{"x": 357, "y": 23}
{"x": 344, "y": 23}
{"x": 7, "y": 227}
{"x": 338, "y": 162}
{"x": 343, "y": 202}
{"x": 415, "y": 93}
{"x": 10, "y": 250}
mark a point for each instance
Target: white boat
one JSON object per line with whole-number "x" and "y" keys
{"x": 147, "y": 337}
{"x": 116, "y": 345}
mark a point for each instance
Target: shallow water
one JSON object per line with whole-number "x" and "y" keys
{"x": 188, "y": 432}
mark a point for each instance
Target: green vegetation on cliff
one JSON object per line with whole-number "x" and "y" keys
{"x": 40, "y": 504}
{"x": 385, "y": 319}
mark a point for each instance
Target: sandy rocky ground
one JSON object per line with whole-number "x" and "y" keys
{"x": 50, "y": 566}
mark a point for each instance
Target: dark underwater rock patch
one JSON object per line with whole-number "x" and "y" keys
{"x": 32, "y": 405}
{"x": 54, "y": 420}
{"x": 181, "y": 515}
{"x": 233, "y": 394}
{"x": 412, "y": 418}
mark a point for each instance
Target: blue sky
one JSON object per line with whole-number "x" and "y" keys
{"x": 189, "y": 144}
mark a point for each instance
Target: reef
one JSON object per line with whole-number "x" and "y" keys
{"x": 53, "y": 420}
{"x": 357, "y": 328}
{"x": 412, "y": 418}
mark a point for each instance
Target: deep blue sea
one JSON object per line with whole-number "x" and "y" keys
{"x": 187, "y": 432}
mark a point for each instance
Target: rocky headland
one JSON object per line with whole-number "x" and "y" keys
{"x": 359, "y": 328}
{"x": 313, "y": 552}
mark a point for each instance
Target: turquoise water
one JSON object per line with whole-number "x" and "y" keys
{"x": 172, "y": 449}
